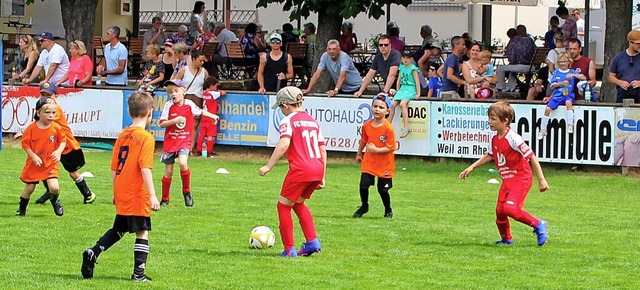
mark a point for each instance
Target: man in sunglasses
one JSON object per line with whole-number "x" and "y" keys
{"x": 275, "y": 67}
{"x": 53, "y": 59}
{"x": 625, "y": 69}
{"x": 386, "y": 63}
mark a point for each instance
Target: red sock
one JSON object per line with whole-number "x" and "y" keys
{"x": 286, "y": 225}
{"x": 210, "y": 144}
{"x": 186, "y": 180}
{"x": 306, "y": 221}
{"x": 504, "y": 229}
{"x": 520, "y": 215}
{"x": 166, "y": 187}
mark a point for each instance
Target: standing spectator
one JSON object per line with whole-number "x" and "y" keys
{"x": 428, "y": 50}
{"x": 394, "y": 37}
{"x": 623, "y": 73}
{"x": 451, "y": 80}
{"x": 519, "y": 56}
{"x": 275, "y": 67}
{"x": 348, "y": 39}
{"x": 154, "y": 35}
{"x": 53, "y": 59}
{"x": 288, "y": 35}
{"x": 582, "y": 65}
{"x": 386, "y": 63}
{"x": 80, "y": 66}
{"x": 569, "y": 27}
{"x": 341, "y": 68}
{"x": 168, "y": 59}
{"x": 309, "y": 35}
{"x": 115, "y": 58}
{"x": 549, "y": 42}
{"x": 193, "y": 76}
{"x": 552, "y": 56}
{"x": 196, "y": 22}
{"x": 181, "y": 52}
{"x": 28, "y": 57}
{"x": 579, "y": 24}
{"x": 427, "y": 35}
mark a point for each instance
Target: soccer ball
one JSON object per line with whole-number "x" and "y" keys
{"x": 262, "y": 237}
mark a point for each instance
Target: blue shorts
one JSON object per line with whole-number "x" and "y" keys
{"x": 170, "y": 157}
{"x": 554, "y": 103}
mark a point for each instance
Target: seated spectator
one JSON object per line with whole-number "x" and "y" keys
{"x": 435, "y": 82}
{"x": 511, "y": 34}
{"x": 155, "y": 34}
{"x": 309, "y": 35}
{"x": 451, "y": 80}
{"x": 552, "y": 55}
{"x": 348, "y": 39}
{"x": 553, "y": 28}
{"x": 153, "y": 68}
{"x": 472, "y": 70}
{"x": 250, "y": 45}
{"x": 28, "y": 57}
{"x": 394, "y": 36}
{"x": 80, "y": 66}
{"x": 206, "y": 36}
{"x": 341, "y": 68}
{"x": 288, "y": 35}
{"x": 223, "y": 36}
{"x": 519, "y": 55}
{"x": 182, "y": 36}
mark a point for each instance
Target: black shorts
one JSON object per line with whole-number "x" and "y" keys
{"x": 131, "y": 224}
{"x": 367, "y": 180}
{"x": 73, "y": 160}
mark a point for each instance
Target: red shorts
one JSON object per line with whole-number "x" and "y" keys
{"x": 294, "y": 190}
{"x": 515, "y": 193}
{"x": 207, "y": 128}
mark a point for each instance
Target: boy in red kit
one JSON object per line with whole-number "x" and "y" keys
{"x": 207, "y": 127}
{"x": 177, "y": 118}
{"x": 303, "y": 142}
{"x": 511, "y": 156}
{"x": 44, "y": 141}
{"x": 379, "y": 139}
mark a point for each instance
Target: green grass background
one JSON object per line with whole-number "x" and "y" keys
{"x": 441, "y": 237}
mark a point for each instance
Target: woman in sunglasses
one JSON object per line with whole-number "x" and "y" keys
{"x": 28, "y": 57}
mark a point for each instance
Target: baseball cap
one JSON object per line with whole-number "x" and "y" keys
{"x": 168, "y": 43}
{"x": 175, "y": 82}
{"x": 288, "y": 95}
{"x": 48, "y": 88}
{"x": 40, "y": 103}
{"x": 275, "y": 36}
{"x": 387, "y": 100}
{"x": 407, "y": 53}
{"x": 633, "y": 35}
{"x": 434, "y": 44}
{"x": 45, "y": 35}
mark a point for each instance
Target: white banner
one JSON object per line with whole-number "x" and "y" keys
{"x": 627, "y": 132}
{"x": 507, "y": 2}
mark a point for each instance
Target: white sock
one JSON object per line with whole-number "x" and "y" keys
{"x": 569, "y": 117}
{"x": 543, "y": 125}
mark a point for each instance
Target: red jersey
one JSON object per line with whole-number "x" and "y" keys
{"x": 42, "y": 142}
{"x": 210, "y": 99}
{"x": 511, "y": 156}
{"x": 178, "y": 136}
{"x": 379, "y": 164}
{"x": 305, "y": 161}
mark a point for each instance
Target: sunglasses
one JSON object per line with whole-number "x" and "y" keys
{"x": 383, "y": 44}
{"x": 275, "y": 41}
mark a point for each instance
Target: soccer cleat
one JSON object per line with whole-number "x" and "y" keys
{"x": 88, "y": 263}
{"x": 90, "y": 199}
{"x": 541, "y": 232}
{"x": 57, "y": 208}
{"x": 188, "y": 200}
{"x": 570, "y": 128}
{"x": 307, "y": 249}
{"x": 361, "y": 211}
{"x": 164, "y": 202}
{"x": 541, "y": 135}
{"x": 505, "y": 242}
{"x": 388, "y": 214}
{"x": 289, "y": 253}
{"x": 46, "y": 196}
{"x": 20, "y": 212}
{"x": 141, "y": 278}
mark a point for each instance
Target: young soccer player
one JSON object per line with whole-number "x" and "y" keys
{"x": 511, "y": 156}
{"x": 379, "y": 142}
{"x": 408, "y": 89}
{"x": 435, "y": 82}
{"x": 44, "y": 141}
{"x": 133, "y": 193}
{"x": 72, "y": 157}
{"x": 562, "y": 81}
{"x": 302, "y": 140}
{"x": 153, "y": 69}
{"x": 177, "y": 118}
{"x": 208, "y": 129}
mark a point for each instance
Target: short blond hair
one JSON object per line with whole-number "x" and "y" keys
{"x": 502, "y": 110}
{"x": 153, "y": 48}
{"x": 485, "y": 54}
{"x": 82, "y": 49}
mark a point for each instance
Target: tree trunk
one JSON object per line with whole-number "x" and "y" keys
{"x": 328, "y": 28}
{"x": 618, "y": 24}
{"x": 78, "y": 20}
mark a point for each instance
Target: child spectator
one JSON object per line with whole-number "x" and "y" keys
{"x": 379, "y": 142}
{"x": 562, "y": 81}
{"x": 408, "y": 85}
{"x": 302, "y": 140}
{"x": 435, "y": 82}
{"x": 209, "y": 128}
{"x": 177, "y": 118}
{"x": 153, "y": 69}
{"x": 511, "y": 156}
{"x": 133, "y": 193}
{"x": 44, "y": 141}
{"x": 485, "y": 89}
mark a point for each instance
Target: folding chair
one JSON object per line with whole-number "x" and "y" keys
{"x": 135, "y": 55}
{"x": 240, "y": 65}
{"x": 298, "y": 52}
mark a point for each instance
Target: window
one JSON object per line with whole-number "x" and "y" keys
{"x": 12, "y": 8}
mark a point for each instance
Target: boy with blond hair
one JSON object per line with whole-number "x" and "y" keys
{"x": 208, "y": 128}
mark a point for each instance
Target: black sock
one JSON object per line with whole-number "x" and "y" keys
{"x": 364, "y": 196}
{"x": 140, "y": 253}
{"x": 46, "y": 187}
{"x": 386, "y": 199}
{"x": 106, "y": 241}
{"x": 54, "y": 197}
{"x": 23, "y": 203}
{"x": 82, "y": 186}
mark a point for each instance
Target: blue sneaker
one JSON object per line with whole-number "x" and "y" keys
{"x": 289, "y": 253}
{"x": 310, "y": 247}
{"x": 505, "y": 242}
{"x": 541, "y": 232}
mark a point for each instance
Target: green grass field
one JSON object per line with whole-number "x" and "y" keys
{"x": 441, "y": 237}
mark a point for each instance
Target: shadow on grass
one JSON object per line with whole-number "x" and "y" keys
{"x": 78, "y": 276}
{"x": 462, "y": 244}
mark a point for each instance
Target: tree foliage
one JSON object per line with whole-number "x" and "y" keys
{"x": 344, "y": 8}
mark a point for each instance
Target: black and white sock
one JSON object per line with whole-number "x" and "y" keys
{"x": 140, "y": 253}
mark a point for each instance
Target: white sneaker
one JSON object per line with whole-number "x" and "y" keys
{"x": 570, "y": 128}
{"x": 541, "y": 135}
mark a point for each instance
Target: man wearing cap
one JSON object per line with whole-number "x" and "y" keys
{"x": 341, "y": 68}
{"x": 430, "y": 49}
{"x": 275, "y": 67}
{"x": 53, "y": 59}
{"x": 115, "y": 57}
{"x": 625, "y": 69}
{"x": 386, "y": 63}
{"x": 302, "y": 141}
{"x": 154, "y": 35}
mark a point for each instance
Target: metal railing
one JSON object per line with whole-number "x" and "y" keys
{"x": 182, "y": 17}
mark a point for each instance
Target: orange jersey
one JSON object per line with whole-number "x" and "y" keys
{"x": 72, "y": 143}
{"x": 379, "y": 164}
{"x": 132, "y": 152}
{"x": 42, "y": 142}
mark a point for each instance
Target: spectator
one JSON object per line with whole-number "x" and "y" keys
{"x": 115, "y": 58}
{"x": 451, "y": 80}
{"x": 623, "y": 73}
{"x": 52, "y": 58}
{"x": 341, "y": 68}
{"x": 519, "y": 56}
{"x": 181, "y": 36}
{"x": 472, "y": 70}
{"x": 511, "y": 34}
{"x": 522, "y": 31}
{"x": 549, "y": 42}
{"x": 309, "y": 35}
{"x": 206, "y": 36}
{"x": 153, "y": 69}
{"x": 427, "y": 35}
{"x": 80, "y": 66}
{"x": 169, "y": 60}
{"x": 579, "y": 24}
{"x": 196, "y": 22}
{"x": 28, "y": 57}
{"x": 288, "y": 35}
{"x": 275, "y": 67}
{"x": 391, "y": 24}
{"x": 552, "y": 56}
{"x": 386, "y": 63}
{"x": 251, "y": 45}
{"x": 223, "y": 35}
{"x": 582, "y": 65}
{"x": 394, "y": 36}
{"x": 348, "y": 39}
{"x": 435, "y": 82}
{"x": 569, "y": 27}
{"x": 431, "y": 49}
{"x": 181, "y": 52}
{"x": 261, "y": 39}
{"x": 154, "y": 35}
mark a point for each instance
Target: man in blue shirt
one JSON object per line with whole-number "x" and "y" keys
{"x": 451, "y": 79}
{"x": 340, "y": 67}
{"x": 625, "y": 69}
{"x": 115, "y": 57}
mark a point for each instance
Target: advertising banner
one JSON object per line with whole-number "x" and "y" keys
{"x": 627, "y": 137}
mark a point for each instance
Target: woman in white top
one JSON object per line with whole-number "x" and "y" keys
{"x": 196, "y": 23}
{"x": 472, "y": 71}
{"x": 193, "y": 76}
{"x": 552, "y": 56}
